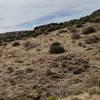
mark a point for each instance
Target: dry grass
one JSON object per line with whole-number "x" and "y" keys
{"x": 35, "y": 73}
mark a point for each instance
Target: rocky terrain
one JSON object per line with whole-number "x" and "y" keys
{"x": 58, "y": 61}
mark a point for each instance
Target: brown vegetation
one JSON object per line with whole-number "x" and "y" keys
{"x": 34, "y": 66}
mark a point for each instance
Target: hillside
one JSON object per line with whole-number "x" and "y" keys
{"x": 55, "y": 60}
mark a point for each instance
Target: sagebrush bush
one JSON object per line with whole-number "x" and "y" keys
{"x": 95, "y": 20}
{"x": 15, "y": 44}
{"x": 75, "y": 36}
{"x": 75, "y": 98}
{"x": 56, "y": 44}
{"x": 1, "y": 43}
{"x": 29, "y": 70}
{"x": 29, "y": 45}
{"x": 78, "y": 70}
{"x": 92, "y": 39}
{"x": 10, "y": 69}
{"x": 88, "y": 30}
{"x": 51, "y": 98}
{"x": 94, "y": 90}
{"x": 62, "y": 31}
{"x": 93, "y": 80}
{"x": 79, "y": 25}
{"x": 56, "y": 48}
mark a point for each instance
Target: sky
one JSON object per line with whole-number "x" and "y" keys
{"x": 18, "y": 15}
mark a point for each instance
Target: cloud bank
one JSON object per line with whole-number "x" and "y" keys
{"x": 25, "y": 14}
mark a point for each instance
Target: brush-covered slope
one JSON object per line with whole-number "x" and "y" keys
{"x": 30, "y": 71}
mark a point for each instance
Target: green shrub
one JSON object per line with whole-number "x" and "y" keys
{"x": 56, "y": 48}
{"x": 88, "y": 30}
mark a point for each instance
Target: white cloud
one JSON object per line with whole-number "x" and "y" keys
{"x": 17, "y": 12}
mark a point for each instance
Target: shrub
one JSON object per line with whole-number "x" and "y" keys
{"x": 29, "y": 70}
{"x": 62, "y": 31}
{"x": 92, "y": 39}
{"x": 12, "y": 82}
{"x": 51, "y": 98}
{"x": 1, "y": 43}
{"x": 95, "y": 20}
{"x": 75, "y": 36}
{"x": 49, "y": 72}
{"x": 56, "y": 44}
{"x": 88, "y": 30}
{"x": 94, "y": 90}
{"x": 56, "y": 48}
{"x": 16, "y": 44}
{"x": 93, "y": 80}
{"x": 79, "y": 25}
{"x": 83, "y": 20}
{"x": 82, "y": 45}
{"x": 75, "y": 98}
{"x": 47, "y": 28}
{"x": 29, "y": 45}
{"x": 10, "y": 69}
{"x": 78, "y": 70}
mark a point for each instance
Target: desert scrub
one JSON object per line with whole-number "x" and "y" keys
{"x": 93, "y": 80}
{"x": 56, "y": 48}
{"x": 49, "y": 72}
{"x": 75, "y": 36}
{"x": 10, "y": 69}
{"x": 63, "y": 31}
{"x": 29, "y": 45}
{"x": 1, "y": 43}
{"x": 15, "y": 43}
{"x": 94, "y": 90}
{"x": 75, "y": 98}
{"x": 78, "y": 70}
{"x": 88, "y": 30}
{"x": 95, "y": 20}
{"x": 79, "y": 25}
{"x": 56, "y": 44}
{"x": 29, "y": 70}
{"x": 92, "y": 39}
{"x": 51, "y": 98}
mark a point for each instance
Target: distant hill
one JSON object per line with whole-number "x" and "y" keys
{"x": 45, "y": 29}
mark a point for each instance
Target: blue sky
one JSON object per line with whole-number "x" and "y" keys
{"x": 25, "y": 14}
